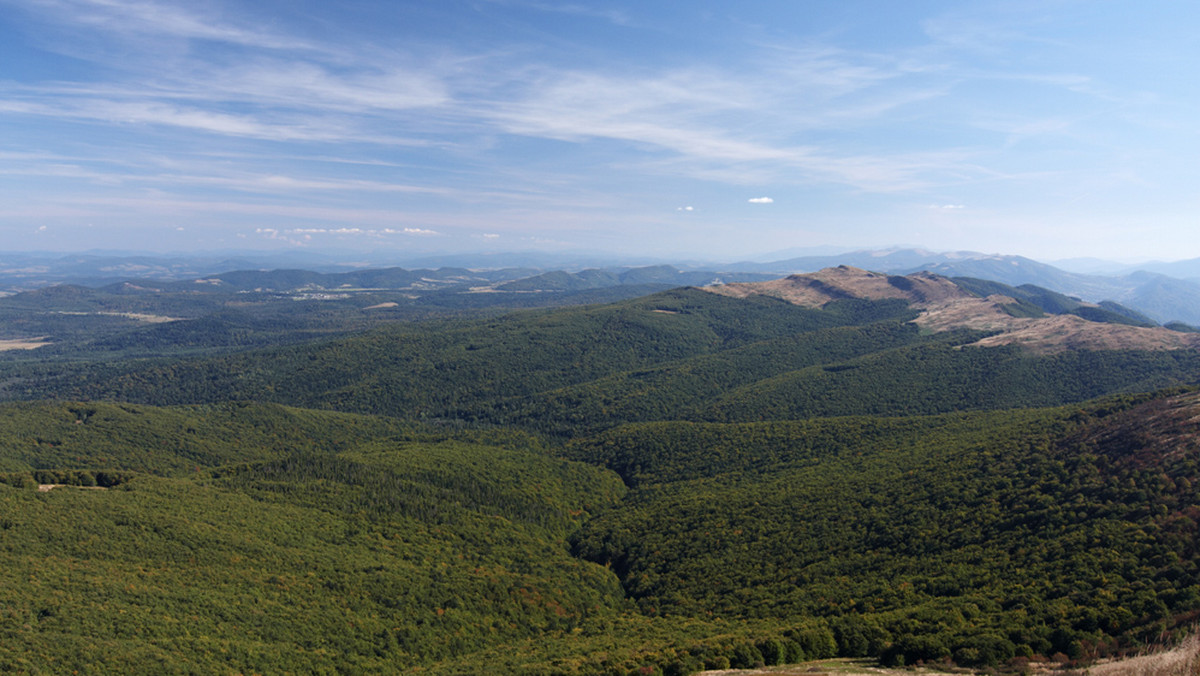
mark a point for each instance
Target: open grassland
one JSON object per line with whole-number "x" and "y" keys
{"x": 1182, "y": 660}
{"x": 27, "y": 344}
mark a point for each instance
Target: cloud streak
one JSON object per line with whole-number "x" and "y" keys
{"x": 525, "y": 109}
{"x": 158, "y": 19}
{"x": 683, "y": 115}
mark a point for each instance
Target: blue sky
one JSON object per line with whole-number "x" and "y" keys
{"x": 712, "y": 130}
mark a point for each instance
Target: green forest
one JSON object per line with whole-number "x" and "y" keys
{"x": 657, "y": 485}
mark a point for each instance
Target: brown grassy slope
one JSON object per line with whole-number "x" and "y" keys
{"x": 945, "y": 306}
{"x": 1183, "y": 660}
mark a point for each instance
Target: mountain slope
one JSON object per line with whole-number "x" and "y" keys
{"x": 1149, "y": 291}
{"x": 736, "y": 352}
{"x": 285, "y": 540}
{"x": 946, "y": 304}
{"x": 431, "y": 369}
{"x": 1007, "y": 532}
{"x": 836, "y": 463}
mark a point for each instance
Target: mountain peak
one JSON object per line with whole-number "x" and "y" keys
{"x": 816, "y": 289}
{"x": 946, "y": 305}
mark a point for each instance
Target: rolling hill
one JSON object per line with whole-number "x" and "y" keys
{"x": 1163, "y": 292}
{"x": 909, "y": 468}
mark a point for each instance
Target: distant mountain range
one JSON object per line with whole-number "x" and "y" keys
{"x": 1163, "y": 292}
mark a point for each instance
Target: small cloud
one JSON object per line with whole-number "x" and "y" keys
{"x": 947, "y": 207}
{"x": 41, "y": 228}
{"x": 490, "y": 235}
{"x": 761, "y": 200}
{"x": 685, "y": 209}
{"x": 306, "y": 234}
{"x": 179, "y": 228}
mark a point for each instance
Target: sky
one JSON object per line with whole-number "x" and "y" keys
{"x": 708, "y": 130}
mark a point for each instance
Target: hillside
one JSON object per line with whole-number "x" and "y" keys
{"x": 845, "y": 463}
{"x": 242, "y": 309}
{"x": 970, "y": 533}
{"x": 861, "y": 343}
{"x": 1015, "y": 316}
{"x": 380, "y": 547}
{"x": 1164, "y": 292}
{"x": 256, "y": 538}
{"x": 430, "y": 369}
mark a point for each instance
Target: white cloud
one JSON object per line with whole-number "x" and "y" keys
{"x": 722, "y": 125}
{"x": 947, "y": 207}
{"x": 761, "y": 200}
{"x": 370, "y": 232}
{"x": 305, "y": 85}
{"x": 697, "y": 121}
{"x": 156, "y": 20}
{"x": 685, "y": 209}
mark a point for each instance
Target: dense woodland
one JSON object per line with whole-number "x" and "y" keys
{"x": 662, "y": 484}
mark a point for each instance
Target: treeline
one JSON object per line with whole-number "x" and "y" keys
{"x": 84, "y": 478}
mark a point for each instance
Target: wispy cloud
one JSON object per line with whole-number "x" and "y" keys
{"x": 696, "y": 121}
{"x": 371, "y": 232}
{"x": 614, "y": 16}
{"x": 335, "y": 118}
{"x": 292, "y": 84}
{"x": 693, "y": 114}
{"x": 158, "y": 19}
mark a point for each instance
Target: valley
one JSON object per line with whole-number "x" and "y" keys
{"x": 561, "y": 477}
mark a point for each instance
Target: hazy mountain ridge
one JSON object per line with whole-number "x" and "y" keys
{"x": 1165, "y": 292}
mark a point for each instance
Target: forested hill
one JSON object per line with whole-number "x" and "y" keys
{"x": 425, "y": 370}
{"x": 867, "y": 344}
{"x": 255, "y": 538}
{"x": 902, "y": 469}
{"x": 986, "y": 536}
